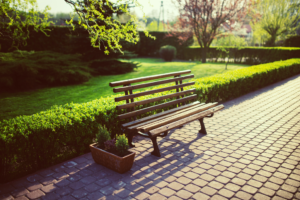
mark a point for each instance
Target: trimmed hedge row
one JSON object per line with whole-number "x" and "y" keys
{"x": 249, "y": 55}
{"x": 69, "y": 41}
{"x": 29, "y": 143}
{"x": 242, "y": 81}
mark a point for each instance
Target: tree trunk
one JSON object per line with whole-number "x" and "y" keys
{"x": 271, "y": 41}
{"x": 203, "y": 54}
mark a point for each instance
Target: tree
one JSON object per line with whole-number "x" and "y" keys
{"x": 277, "y": 19}
{"x": 205, "y": 17}
{"x": 16, "y": 16}
{"x": 98, "y": 17}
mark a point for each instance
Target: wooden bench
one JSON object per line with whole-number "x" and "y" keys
{"x": 159, "y": 124}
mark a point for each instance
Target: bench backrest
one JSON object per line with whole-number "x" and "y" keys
{"x": 129, "y": 96}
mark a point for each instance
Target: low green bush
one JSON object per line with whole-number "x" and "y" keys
{"x": 29, "y": 143}
{"x": 21, "y": 70}
{"x": 242, "y": 81}
{"x": 167, "y": 52}
{"x": 112, "y": 67}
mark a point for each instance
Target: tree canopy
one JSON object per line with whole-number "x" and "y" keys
{"x": 99, "y": 17}
{"x": 16, "y": 16}
{"x": 205, "y": 17}
{"x": 278, "y": 18}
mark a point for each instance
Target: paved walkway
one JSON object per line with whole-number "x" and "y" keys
{"x": 252, "y": 150}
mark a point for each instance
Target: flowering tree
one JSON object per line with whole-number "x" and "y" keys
{"x": 204, "y": 18}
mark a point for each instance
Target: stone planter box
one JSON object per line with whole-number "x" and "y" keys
{"x": 112, "y": 161}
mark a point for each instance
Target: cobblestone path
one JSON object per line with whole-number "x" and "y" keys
{"x": 251, "y": 151}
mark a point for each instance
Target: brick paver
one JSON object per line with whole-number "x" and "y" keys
{"x": 251, "y": 151}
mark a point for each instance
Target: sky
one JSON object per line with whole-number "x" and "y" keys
{"x": 150, "y": 7}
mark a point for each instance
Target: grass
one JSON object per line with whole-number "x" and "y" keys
{"x": 31, "y": 102}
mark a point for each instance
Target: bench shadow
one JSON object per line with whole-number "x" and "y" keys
{"x": 150, "y": 173}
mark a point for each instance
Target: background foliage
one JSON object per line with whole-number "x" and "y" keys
{"x": 65, "y": 40}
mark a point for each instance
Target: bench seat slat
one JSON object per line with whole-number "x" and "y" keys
{"x": 131, "y": 96}
{"x": 138, "y": 103}
{"x": 151, "y": 108}
{"x": 137, "y": 126}
{"x": 173, "y": 118}
{"x": 135, "y": 80}
{"x": 134, "y": 87}
{"x": 186, "y": 120}
{"x": 125, "y": 125}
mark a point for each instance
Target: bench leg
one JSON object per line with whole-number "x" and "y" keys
{"x": 130, "y": 136}
{"x": 202, "y": 130}
{"x": 156, "y": 151}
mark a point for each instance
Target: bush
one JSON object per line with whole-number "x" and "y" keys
{"x": 249, "y": 55}
{"x": 112, "y": 67}
{"x": 242, "y": 81}
{"x": 122, "y": 144}
{"x": 102, "y": 136}
{"x": 167, "y": 52}
{"x": 21, "y": 70}
{"x": 293, "y": 41}
{"x": 29, "y": 143}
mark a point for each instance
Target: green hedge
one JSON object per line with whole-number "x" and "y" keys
{"x": 249, "y": 55}
{"x": 293, "y": 41}
{"x": 29, "y": 143}
{"x": 65, "y": 40}
{"x": 242, "y": 81}
{"x": 150, "y": 47}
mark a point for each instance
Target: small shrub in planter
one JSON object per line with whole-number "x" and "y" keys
{"x": 102, "y": 137}
{"x": 167, "y": 52}
{"x": 122, "y": 144}
{"x": 112, "y": 153}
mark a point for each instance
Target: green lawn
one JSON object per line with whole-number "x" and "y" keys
{"x": 27, "y": 103}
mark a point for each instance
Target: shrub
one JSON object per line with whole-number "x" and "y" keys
{"x": 167, "y": 52}
{"x": 112, "y": 67}
{"x": 29, "y": 143}
{"x": 241, "y": 81}
{"x": 249, "y": 55}
{"x": 22, "y": 70}
{"x": 293, "y": 41}
{"x": 122, "y": 144}
{"x": 102, "y": 136}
